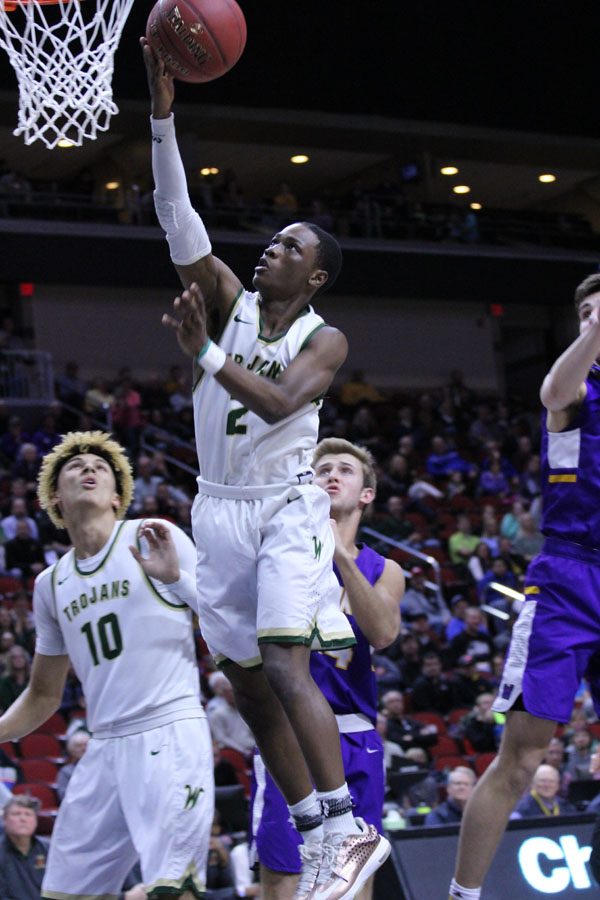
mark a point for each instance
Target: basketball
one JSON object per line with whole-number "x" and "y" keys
{"x": 198, "y": 40}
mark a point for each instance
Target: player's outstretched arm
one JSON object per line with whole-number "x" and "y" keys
{"x": 307, "y": 377}
{"x": 376, "y": 607}
{"x": 40, "y": 699}
{"x": 190, "y": 247}
{"x": 564, "y": 385}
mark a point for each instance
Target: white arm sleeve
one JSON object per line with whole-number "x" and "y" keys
{"x": 186, "y": 235}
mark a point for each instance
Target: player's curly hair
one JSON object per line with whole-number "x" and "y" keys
{"x": 100, "y": 444}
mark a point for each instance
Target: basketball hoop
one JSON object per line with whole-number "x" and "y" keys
{"x": 63, "y": 54}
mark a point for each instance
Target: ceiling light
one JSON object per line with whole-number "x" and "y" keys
{"x": 461, "y": 189}
{"x": 449, "y": 170}
{"x": 65, "y": 143}
{"x": 475, "y": 205}
{"x": 299, "y": 159}
{"x": 209, "y": 170}
{"x": 547, "y": 178}
{"x": 111, "y": 185}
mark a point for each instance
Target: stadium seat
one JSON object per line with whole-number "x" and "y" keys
{"x": 10, "y": 749}
{"x": 482, "y": 761}
{"x": 445, "y": 746}
{"x": 10, "y": 585}
{"x": 430, "y": 718}
{"x": 238, "y": 761}
{"x": 455, "y": 715}
{"x": 438, "y": 553}
{"x": 37, "y": 746}
{"x": 43, "y": 792}
{"x": 446, "y": 762}
{"x": 39, "y": 770}
{"x": 55, "y": 725}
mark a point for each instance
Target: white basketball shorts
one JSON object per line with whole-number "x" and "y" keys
{"x": 148, "y": 795}
{"x": 265, "y": 572}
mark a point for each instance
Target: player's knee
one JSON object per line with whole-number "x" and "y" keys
{"x": 284, "y": 674}
{"x": 518, "y": 769}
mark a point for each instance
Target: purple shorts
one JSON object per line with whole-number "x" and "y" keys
{"x": 275, "y": 840}
{"x": 556, "y": 639}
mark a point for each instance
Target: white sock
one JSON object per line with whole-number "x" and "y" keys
{"x": 337, "y": 811}
{"x": 308, "y": 818}
{"x": 457, "y": 892}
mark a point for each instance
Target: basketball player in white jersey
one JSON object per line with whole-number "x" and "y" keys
{"x": 266, "y": 587}
{"x": 117, "y": 605}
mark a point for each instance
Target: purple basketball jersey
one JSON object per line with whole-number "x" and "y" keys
{"x": 346, "y": 676}
{"x": 348, "y": 682}
{"x": 571, "y": 472}
{"x": 555, "y": 642}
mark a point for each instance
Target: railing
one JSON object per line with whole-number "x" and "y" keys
{"x": 26, "y": 377}
{"x": 373, "y": 219}
{"x": 414, "y": 554}
{"x": 150, "y": 448}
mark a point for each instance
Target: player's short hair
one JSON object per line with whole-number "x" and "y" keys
{"x": 589, "y": 286}
{"x": 100, "y": 444}
{"x": 26, "y": 801}
{"x": 337, "y": 446}
{"x": 329, "y": 255}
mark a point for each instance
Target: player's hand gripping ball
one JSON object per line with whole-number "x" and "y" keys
{"x": 198, "y": 40}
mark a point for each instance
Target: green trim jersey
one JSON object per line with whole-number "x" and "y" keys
{"x": 129, "y": 637}
{"x": 235, "y": 446}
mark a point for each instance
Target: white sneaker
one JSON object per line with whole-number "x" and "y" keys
{"x": 312, "y": 854}
{"x": 348, "y": 861}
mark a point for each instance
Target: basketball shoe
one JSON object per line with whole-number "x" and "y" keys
{"x": 311, "y": 855}
{"x": 348, "y": 861}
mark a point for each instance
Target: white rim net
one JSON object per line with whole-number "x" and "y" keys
{"x": 63, "y": 55}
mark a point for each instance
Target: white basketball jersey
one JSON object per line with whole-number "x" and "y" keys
{"x": 235, "y": 446}
{"x": 129, "y": 639}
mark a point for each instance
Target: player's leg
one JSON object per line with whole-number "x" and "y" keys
{"x": 91, "y": 850}
{"x": 270, "y": 814}
{"x": 168, "y": 771}
{"x": 362, "y": 754}
{"x": 287, "y": 670}
{"x": 264, "y": 714}
{"x": 524, "y": 741}
{"x": 275, "y": 843}
{"x": 277, "y": 885}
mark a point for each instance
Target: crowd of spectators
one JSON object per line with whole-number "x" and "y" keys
{"x": 458, "y": 505}
{"x": 388, "y": 209}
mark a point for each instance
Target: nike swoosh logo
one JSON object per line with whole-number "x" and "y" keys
{"x": 291, "y": 499}
{"x": 64, "y": 579}
{"x": 236, "y": 318}
{"x": 154, "y": 752}
{"x": 373, "y": 750}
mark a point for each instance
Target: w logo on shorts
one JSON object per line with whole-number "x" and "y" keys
{"x": 318, "y": 545}
{"x": 192, "y": 797}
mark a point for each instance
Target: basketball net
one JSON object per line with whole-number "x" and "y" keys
{"x": 63, "y": 54}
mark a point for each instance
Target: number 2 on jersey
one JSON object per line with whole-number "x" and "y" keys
{"x": 109, "y": 633}
{"x": 233, "y": 425}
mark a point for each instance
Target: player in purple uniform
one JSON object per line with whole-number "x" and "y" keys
{"x": 371, "y": 590}
{"x": 556, "y": 639}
